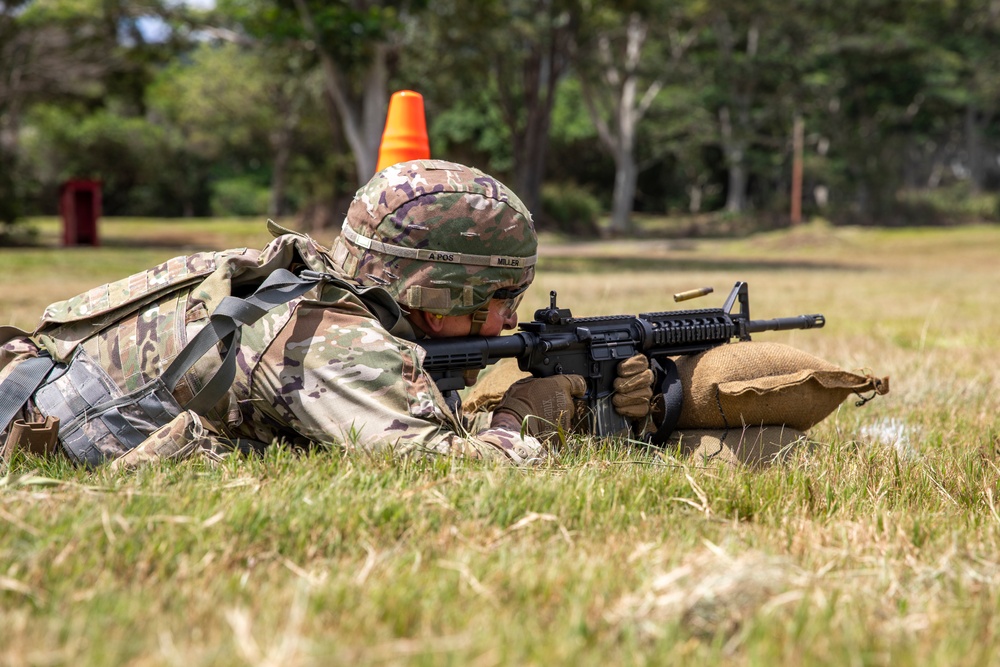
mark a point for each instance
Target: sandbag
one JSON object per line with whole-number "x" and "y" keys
{"x": 752, "y": 446}
{"x": 765, "y": 383}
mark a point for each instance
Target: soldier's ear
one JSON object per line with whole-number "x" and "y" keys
{"x": 430, "y": 322}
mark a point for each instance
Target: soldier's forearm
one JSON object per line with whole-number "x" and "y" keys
{"x": 504, "y": 419}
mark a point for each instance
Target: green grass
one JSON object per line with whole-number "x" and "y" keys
{"x": 853, "y": 552}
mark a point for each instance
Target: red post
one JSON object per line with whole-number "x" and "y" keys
{"x": 80, "y": 209}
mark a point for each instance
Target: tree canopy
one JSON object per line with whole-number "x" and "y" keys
{"x": 253, "y": 107}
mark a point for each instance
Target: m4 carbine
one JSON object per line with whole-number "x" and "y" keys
{"x": 558, "y": 343}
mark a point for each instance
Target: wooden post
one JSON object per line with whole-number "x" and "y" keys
{"x": 797, "y": 142}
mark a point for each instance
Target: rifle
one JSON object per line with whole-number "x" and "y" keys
{"x": 558, "y": 343}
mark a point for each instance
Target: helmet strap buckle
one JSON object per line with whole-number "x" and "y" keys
{"x": 479, "y": 319}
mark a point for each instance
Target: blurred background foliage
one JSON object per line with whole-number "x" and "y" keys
{"x": 599, "y": 114}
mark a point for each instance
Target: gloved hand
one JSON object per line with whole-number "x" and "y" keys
{"x": 549, "y": 403}
{"x": 633, "y": 388}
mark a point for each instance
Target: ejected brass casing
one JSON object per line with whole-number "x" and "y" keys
{"x": 693, "y": 293}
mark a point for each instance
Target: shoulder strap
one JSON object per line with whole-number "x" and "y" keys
{"x": 23, "y": 379}
{"x": 22, "y": 382}
{"x": 378, "y": 301}
{"x": 225, "y": 325}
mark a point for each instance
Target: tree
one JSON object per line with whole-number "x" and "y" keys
{"x": 507, "y": 57}
{"x": 353, "y": 43}
{"x": 233, "y": 105}
{"x": 542, "y": 38}
{"x": 622, "y": 67}
{"x": 965, "y": 77}
{"x": 356, "y": 79}
{"x": 43, "y": 55}
{"x": 82, "y": 55}
{"x": 755, "y": 66}
{"x": 877, "y": 70}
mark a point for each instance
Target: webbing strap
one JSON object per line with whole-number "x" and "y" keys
{"x": 225, "y": 325}
{"x": 479, "y": 319}
{"x": 22, "y": 382}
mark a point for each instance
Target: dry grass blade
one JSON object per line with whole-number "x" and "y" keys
{"x": 470, "y": 579}
{"x": 702, "y": 505}
{"x": 291, "y": 645}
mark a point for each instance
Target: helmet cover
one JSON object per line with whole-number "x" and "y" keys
{"x": 438, "y": 236}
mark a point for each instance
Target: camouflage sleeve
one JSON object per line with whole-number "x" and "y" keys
{"x": 338, "y": 377}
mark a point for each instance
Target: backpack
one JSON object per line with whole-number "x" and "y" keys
{"x": 128, "y": 359}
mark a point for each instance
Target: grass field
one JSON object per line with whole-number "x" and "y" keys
{"x": 863, "y": 551}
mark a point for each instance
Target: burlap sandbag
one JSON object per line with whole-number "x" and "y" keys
{"x": 765, "y": 383}
{"x": 753, "y": 446}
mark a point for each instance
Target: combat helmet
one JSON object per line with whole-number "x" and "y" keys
{"x": 440, "y": 237}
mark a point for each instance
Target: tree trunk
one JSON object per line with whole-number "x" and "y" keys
{"x": 735, "y": 152}
{"x": 626, "y": 177}
{"x": 281, "y": 143}
{"x": 282, "y": 152}
{"x": 526, "y": 90}
{"x": 973, "y": 147}
{"x": 627, "y": 108}
{"x": 530, "y": 149}
{"x": 542, "y": 70}
{"x": 374, "y": 108}
{"x": 362, "y": 120}
{"x": 736, "y": 197}
{"x": 9, "y": 199}
{"x": 797, "y": 141}
{"x": 8, "y": 131}
{"x": 626, "y": 170}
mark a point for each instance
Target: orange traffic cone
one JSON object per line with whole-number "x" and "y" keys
{"x": 405, "y": 134}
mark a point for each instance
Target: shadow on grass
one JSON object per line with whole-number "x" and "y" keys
{"x": 615, "y": 264}
{"x": 179, "y": 243}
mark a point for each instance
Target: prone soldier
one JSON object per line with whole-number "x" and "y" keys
{"x": 296, "y": 343}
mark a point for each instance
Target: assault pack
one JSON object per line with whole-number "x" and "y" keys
{"x": 123, "y": 360}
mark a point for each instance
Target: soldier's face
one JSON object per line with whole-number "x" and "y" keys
{"x": 502, "y": 316}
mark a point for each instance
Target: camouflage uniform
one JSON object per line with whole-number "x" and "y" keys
{"x": 335, "y": 366}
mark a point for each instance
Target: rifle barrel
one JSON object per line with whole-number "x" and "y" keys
{"x": 815, "y": 321}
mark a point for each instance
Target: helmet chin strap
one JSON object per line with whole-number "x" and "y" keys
{"x": 479, "y": 319}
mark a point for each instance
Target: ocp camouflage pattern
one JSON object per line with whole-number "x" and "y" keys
{"x": 319, "y": 369}
{"x": 444, "y": 207}
{"x": 186, "y": 435}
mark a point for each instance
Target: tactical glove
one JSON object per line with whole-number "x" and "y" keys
{"x": 633, "y": 388}
{"x": 548, "y": 403}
